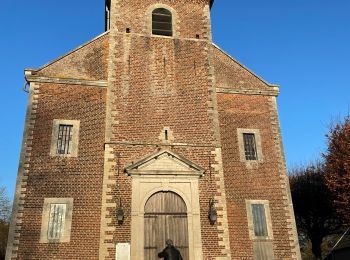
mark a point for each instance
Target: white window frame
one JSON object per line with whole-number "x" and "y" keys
{"x": 66, "y": 230}
{"x": 259, "y": 154}
{"x": 266, "y": 205}
{"x": 74, "y": 141}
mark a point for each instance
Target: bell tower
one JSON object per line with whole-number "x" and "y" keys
{"x": 189, "y": 18}
{"x": 161, "y": 100}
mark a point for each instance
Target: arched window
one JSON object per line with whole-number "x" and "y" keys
{"x": 162, "y": 22}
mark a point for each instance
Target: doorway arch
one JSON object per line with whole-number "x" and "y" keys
{"x": 165, "y": 217}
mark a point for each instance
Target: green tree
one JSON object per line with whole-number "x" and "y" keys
{"x": 5, "y": 213}
{"x": 337, "y": 160}
{"x": 313, "y": 207}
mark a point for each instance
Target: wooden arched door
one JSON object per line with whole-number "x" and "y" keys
{"x": 165, "y": 218}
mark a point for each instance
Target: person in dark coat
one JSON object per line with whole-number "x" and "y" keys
{"x": 170, "y": 252}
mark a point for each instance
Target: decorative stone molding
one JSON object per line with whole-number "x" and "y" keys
{"x": 23, "y": 172}
{"x": 273, "y": 92}
{"x": 95, "y": 83}
{"x": 165, "y": 163}
{"x": 207, "y": 23}
{"x": 221, "y": 203}
{"x": 163, "y": 145}
{"x": 65, "y": 238}
{"x": 106, "y": 230}
{"x": 148, "y": 178}
{"x": 284, "y": 181}
{"x": 220, "y": 198}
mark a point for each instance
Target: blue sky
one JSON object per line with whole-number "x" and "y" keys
{"x": 303, "y": 45}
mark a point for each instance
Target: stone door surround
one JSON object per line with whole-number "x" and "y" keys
{"x": 165, "y": 171}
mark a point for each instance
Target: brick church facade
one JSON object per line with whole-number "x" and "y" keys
{"x": 146, "y": 133}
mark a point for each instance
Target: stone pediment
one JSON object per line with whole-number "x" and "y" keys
{"x": 165, "y": 163}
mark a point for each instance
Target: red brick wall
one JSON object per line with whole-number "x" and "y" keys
{"x": 88, "y": 62}
{"x": 78, "y": 178}
{"x": 133, "y": 14}
{"x": 160, "y": 87}
{"x": 260, "y": 183}
{"x": 160, "y": 83}
{"x": 231, "y": 74}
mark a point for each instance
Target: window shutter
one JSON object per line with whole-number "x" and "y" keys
{"x": 259, "y": 220}
{"x": 162, "y": 23}
{"x": 56, "y": 221}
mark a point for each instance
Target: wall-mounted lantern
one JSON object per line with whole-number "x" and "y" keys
{"x": 120, "y": 213}
{"x": 212, "y": 214}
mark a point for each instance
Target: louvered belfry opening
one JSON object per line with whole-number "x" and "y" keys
{"x": 165, "y": 218}
{"x": 162, "y": 22}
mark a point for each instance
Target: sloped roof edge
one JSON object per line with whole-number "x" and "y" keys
{"x": 244, "y": 67}
{"x": 67, "y": 54}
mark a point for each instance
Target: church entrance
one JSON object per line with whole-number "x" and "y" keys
{"x": 165, "y": 218}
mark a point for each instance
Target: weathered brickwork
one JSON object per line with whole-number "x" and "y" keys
{"x": 158, "y": 83}
{"x": 57, "y": 177}
{"x": 135, "y": 94}
{"x": 136, "y": 15}
{"x": 23, "y": 170}
{"x": 260, "y": 181}
{"x": 231, "y": 74}
{"x": 87, "y": 62}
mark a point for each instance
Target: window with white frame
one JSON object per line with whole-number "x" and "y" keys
{"x": 56, "y": 220}
{"x": 65, "y": 138}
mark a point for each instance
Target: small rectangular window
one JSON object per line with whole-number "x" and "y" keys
{"x": 56, "y": 221}
{"x": 250, "y": 147}
{"x": 259, "y": 220}
{"x": 64, "y": 139}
